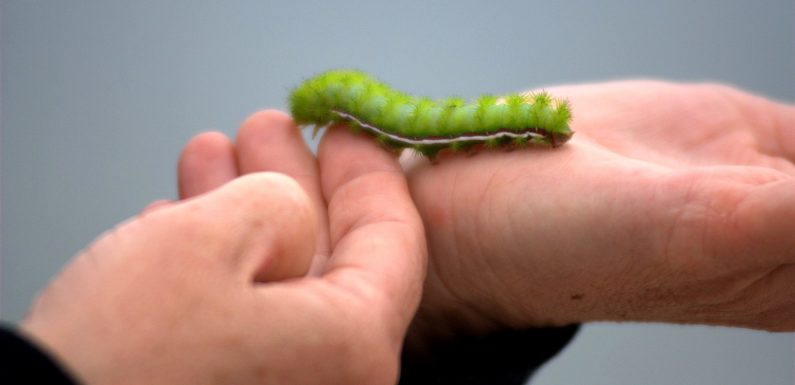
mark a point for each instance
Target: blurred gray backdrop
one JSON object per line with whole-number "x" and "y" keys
{"x": 98, "y": 98}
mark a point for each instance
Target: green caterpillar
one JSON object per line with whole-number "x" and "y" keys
{"x": 398, "y": 120}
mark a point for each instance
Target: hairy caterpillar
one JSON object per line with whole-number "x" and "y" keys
{"x": 399, "y": 120}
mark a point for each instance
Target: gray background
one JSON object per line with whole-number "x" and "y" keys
{"x": 99, "y": 96}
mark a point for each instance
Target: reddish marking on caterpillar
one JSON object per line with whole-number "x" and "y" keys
{"x": 398, "y": 120}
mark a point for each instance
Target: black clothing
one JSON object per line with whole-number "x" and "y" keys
{"x": 505, "y": 358}
{"x": 25, "y": 363}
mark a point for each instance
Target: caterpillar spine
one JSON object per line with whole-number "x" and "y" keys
{"x": 399, "y": 120}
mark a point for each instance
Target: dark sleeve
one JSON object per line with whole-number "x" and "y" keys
{"x": 504, "y": 358}
{"x": 25, "y": 363}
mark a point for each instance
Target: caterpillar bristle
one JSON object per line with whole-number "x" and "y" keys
{"x": 562, "y": 112}
{"x": 382, "y": 139}
{"x": 519, "y": 142}
{"x": 468, "y": 146}
{"x": 540, "y": 141}
{"x": 315, "y": 130}
{"x": 514, "y": 100}
{"x": 354, "y": 126}
{"x": 430, "y": 151}
{"x": 453, "y": 102}
{"x": 457, "y": 146}
{"x": 492, "y": 143}
{"x": 398, "y": 120}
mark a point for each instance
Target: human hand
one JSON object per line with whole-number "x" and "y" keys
{"x": 213, "y": 289}
{"x": 672, "y": 203}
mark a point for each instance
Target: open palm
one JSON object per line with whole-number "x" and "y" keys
{"x": 672, "y": 203}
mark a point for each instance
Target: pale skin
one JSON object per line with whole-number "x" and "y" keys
{"x": 214, "y": 289}
{"x": 672, "y": 203}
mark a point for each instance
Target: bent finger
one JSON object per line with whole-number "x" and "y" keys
{"x": 269, "y": 140}
{"x": 377, "y": 235}
{"x": 261, "y": 226}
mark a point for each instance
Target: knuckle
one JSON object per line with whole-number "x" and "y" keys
{"x": 273, "y": 194}
{"x": 274, "y": 120}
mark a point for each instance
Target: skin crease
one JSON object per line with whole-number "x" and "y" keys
{"x": 214, "y": 289}
{"x": 672, "y": 203}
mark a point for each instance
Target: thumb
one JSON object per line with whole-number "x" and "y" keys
{"x": 765, "y": 223}
{"x": 261, "y": 226}
{"x": 270, "y": 219}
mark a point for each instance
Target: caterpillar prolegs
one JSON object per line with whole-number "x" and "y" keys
{"x": 399, "y": 120}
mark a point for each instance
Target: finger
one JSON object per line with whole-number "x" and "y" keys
{"x": 377, "y": 236}
{"x": 773, "y": 122}
{"x": 206, "y": 162}
{"x": 261, "y": 226}
{"x": 784, "y": 131}
{"x": 270, "y": 141}
{"x": 765, "y": 223}
{"x": 156, "y": 205}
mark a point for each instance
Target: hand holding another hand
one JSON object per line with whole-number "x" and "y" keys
{"x": 213, "y": 288}
{"x": 673, "y": 203}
